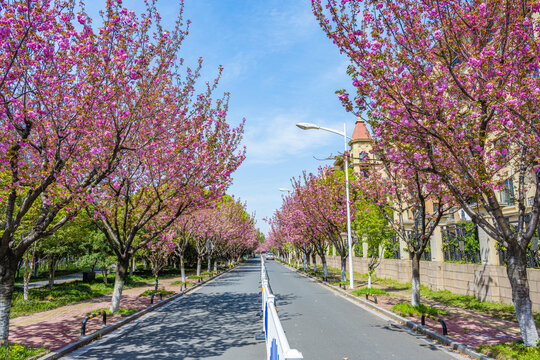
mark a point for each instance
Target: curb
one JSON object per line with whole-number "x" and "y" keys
{"x": 110, "y": 328}
{"x": 453, "y": 345}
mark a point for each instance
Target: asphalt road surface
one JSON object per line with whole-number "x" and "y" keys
{"x": 324, "y": 325}
{"x": 218, "y": 321}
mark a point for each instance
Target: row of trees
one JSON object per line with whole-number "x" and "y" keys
{"x": 103, "y": 121}
{"x": 314, "y": 217}
{"x": 452, "y": 93}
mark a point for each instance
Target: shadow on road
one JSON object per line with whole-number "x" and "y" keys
{"x": 214, "y": 323}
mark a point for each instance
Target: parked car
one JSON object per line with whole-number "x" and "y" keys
{"x": 269, "y": 256}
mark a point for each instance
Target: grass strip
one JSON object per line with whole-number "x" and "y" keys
{"x": 20, "y": 352}
{"x": 515, "y": 350}
{"x": 406, "y": 309}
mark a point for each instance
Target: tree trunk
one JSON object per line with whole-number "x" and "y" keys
{"x": 119, "y": 279}
{"x": 36, "y": 268}
{"x": 304, "y": 261}
{"x": 105, "y": 273}
{"x": 133, "y": 266}
{"x": 28, "y": 267}
{"x": 369, "y": 280}
{"x": 314, "y": 261}
{"x": 343, "y": 268}
{"x": 8, "y": 268}
{"x": 415, "y": 267}
{"x": 516, "y": 269}
{"x": 199, "y": 261}
{"x": 308, "y": 261}
{"x": 325, "y": 267}
{"x": 182, "y": 268}
{"x": 209, "y": 266}
{"x": 215, "y": 264}
{"x": 52, "y": 268}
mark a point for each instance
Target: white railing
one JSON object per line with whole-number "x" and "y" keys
{"x": 277, "y": 346}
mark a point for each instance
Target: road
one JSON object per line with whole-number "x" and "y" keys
{"x": 324, "y": 325}
{"x": 218, "y": 321}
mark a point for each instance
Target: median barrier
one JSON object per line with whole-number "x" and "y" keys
{"x": 91, "y": 316}
{"x": 277, "y": 345}
{"x": 443, "y": 324}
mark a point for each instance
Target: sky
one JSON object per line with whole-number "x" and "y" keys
{"x": 280, "y": 69}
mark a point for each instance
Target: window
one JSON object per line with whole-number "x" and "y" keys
{"x": 507, "y": 193}
{"x": 363, "y": 156}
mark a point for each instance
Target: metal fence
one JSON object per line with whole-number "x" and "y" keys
{"x": 392, "y": 248}
{"x": 413, "y": 238}
{"x": 460, "y": 243}
{"x": 533, "y": 252}
{"x": 277, "y": 346}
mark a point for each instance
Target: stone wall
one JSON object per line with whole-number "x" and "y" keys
{"x": 486, "y": 282}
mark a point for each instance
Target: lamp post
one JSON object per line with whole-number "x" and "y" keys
{"x": 285, "y": 190}
{"x": 308, "y": 126}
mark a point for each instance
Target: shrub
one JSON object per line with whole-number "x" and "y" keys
{"x": 365, "y": 290}
{"x": 121, "y": 311}
{"x": 406, "y": 309}
{"x": 157, "y": 292}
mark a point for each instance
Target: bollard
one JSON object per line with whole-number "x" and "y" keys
{"x": 443, "y": 324}
{"x": 374, "y": 297}
{"x": 152, "y": 297}
{"x": 83, "y": 326}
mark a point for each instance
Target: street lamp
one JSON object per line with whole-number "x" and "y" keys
{"x": 285, "y": 190}
{"x": 308, "y": 126}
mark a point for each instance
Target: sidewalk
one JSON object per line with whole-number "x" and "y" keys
{"x": 464, "y": 326}
{"x": 59, "y": 327}
{"x": 59, "y": 280}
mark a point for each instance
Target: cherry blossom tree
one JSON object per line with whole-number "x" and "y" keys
{"x": 60, "y": 134}
{"x": 410, "y": 200}
{"x": 315, "y": 214}
{"x": 455, "y": 83}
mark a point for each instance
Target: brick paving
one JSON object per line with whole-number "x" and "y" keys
{"x": 464, "y": 326}
{"x": 59, "y": 327}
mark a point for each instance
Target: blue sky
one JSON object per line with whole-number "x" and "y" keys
{"x": 280, "y": 69}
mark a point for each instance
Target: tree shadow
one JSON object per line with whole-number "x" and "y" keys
{"x": 199, "y": 326}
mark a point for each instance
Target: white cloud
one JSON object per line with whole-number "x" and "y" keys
{"x": 277, "y": 139}
{"x": 286, "y": 26}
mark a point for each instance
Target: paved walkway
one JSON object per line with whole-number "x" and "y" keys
{"x": 324, "y": 325}
{"x": 61, "y": 326}
{"x": 59, "y": 280}
{"x": 464, "y": 326}
{"x": 216, "y": 321}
